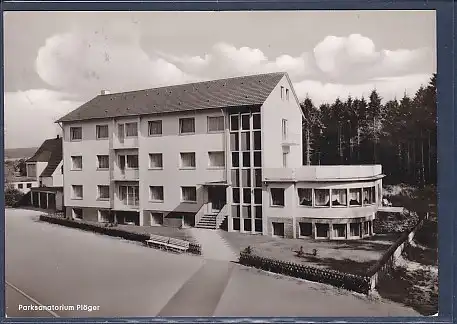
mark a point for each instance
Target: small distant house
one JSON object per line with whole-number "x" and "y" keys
{"x": 46, "y": 167}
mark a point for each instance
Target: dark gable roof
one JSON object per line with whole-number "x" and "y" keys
{"x": 50, "y": 151}
{"x": 233, "y": 92}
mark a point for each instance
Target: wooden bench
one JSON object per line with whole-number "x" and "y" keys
{"x": 168, "y": 243}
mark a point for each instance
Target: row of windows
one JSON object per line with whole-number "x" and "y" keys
{"x": 21, "y": 185}
{"x": 243, "y": 122}
{"x": 187, "y": 161}
{"x": 285, "y": 95}
{"x": 327, "y": 197}
{"x": 323, "y": 230}
{"x": 155, "y": 128}
{"x": 130, "y": 194}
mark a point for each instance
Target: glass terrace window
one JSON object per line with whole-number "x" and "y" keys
{"x": 101, "y": 131}
{"x": 154, "y": 127}
{"x": 186, "y": 125}
{"x": 369, "y": 196}
{"x": 354, "y": 229}
{"x": 76, "y": 133}
{"x": 322, "y": 230}
{"x": 277, "y": 196}
{"x": 216, "y": 124}
{"x": 322, "y": 197}
{"x": 339, "y": 230}
{"x": 355, "y": 197}
{"x": 339, "y": 197}
{"x": 305, "y": 196}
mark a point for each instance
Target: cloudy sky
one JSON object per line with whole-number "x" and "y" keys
{"x": 58, "y": 60}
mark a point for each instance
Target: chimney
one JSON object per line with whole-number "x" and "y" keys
{"x": 104, "y": 92}
{"x": 58, "y": 136}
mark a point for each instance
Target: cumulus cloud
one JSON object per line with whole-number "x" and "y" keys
{"x": 388, "y": 88}
{"x": 30, "y": 115}
{"x": 86, "y": 61}
{"x": 355, "y": 58}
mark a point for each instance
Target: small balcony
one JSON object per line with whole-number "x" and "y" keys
{"x": 126, "y": 174}
{"x": 290, "y": 139}
{"x": 125, "y": 142}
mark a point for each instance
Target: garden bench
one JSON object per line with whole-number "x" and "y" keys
{"x": 168, "y": 243}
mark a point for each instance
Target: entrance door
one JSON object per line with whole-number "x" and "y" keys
{"x": 217, "y": 198}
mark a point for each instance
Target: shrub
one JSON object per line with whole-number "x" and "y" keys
{"x": 335, "y": 278}
{"x": 12, "y": 196}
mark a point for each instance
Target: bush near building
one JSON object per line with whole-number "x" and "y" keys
{"x": 12, "y": 196}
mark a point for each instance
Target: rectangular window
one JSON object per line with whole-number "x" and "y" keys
{"x": 103, "y": 192}
{"x": 188, "y": 160}
{"x": 245, "y": 141}
{"x": 131, "y": 129}
{"x": 278, "y": 229}
{"x": 76, "y": 162}
{"x": 258, "y": 196}
{"x": 235, "y": 159}
{"x": 216, "y": 124}
{"x": 76, "y": 133}
{"x": 246, "y": 159}
{"x": 61, "y": 169}
{"x": 257, "y": 141}
{"x": 101, "y": 131}
{"x": 234, "y": 122}
{"x": 339, "y": 230}
{"x": 236, "y": 195}
{"x": 368, "y": 195}
{"x": 245, "y": 120}
{"x": 306, "y": 229}
{"x": 103, "y": 162}
{"x": 104, "y": 216}
{"x": 258, "y": 178}
{"x": 155, "y": 161}
{"x": 216, "y": 159}
{"x": 322, "y": 197}
{"x": 277, "y": 196}
{"x": 246, "y": 178}
{"x": 129, "y": 195}
{"x": 282, "y": 93}
{"x": 236, "y": 211}
{"x": 20, "y": 186}
{"x": 77, "y": 192}
{"x": 355, "y": 197}
{"x": 77, "y": 213}
{"x": 257, "y": 159}
{"x": 246, "y": 195}
{"x": 284, "y": 129}
{"x": 189, "y": 194}
{"x": 186, "y": 125}
{"x": 322, "y": 230}
{"x": 156, "y": 193}
{"x": 287, "y": 94}
{"x": 258, "y": 212}
{"x": 256, "y": 121}
{"x": 29, "y": 185}
{"x": 132, "y": 161}
{"x": 305, "y": 196}
{"x": 284, "y": 159}
{"x": 354, "y": 229}
{"x": 234, "y": 142}
{"x": 154, "y": 127}
{"x": 31, "y": 170}
{"x": 235, "y": 176}
{"x": 339, "y": 197}
{"x": 246, "y": 212}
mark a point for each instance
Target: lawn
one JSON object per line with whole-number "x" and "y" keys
{"x": 347, "y": 256}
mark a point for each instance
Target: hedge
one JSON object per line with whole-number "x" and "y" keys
{"x": 110, "y": 231}
{"x": 335, "y": 278}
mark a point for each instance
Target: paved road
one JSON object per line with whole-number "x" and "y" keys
{"x": 53, "y": 265}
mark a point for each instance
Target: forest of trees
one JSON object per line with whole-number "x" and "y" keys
{"x": 401, "y": 135}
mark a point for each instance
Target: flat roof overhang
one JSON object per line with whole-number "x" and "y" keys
{"x": 364, "y": 179}
{"x": 215, "y": 184}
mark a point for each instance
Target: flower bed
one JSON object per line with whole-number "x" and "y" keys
{"x": 127, "y": 234}
{"x": 338, "y": 279}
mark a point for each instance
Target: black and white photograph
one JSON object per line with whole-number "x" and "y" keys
{"x": 220, "y": 163}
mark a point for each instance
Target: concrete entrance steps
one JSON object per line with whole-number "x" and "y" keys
{"x": 207, "y": 221}
{"x": 214, "y": 247}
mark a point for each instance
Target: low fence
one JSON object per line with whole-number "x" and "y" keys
{"x": 362, "y": 284}
{"x": 110, "y": 231}
{"x": 335, "y": 278}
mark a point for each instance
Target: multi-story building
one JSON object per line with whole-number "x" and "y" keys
{"x": 223, "y": 153}
{"x": 46, "y": 168}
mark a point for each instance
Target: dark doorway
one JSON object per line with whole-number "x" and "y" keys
{"x": 43, "y": 200}
{"x": 278, "y": 229}
{"x": 128, "y": 218}
{"x": 52, "y": 201}
{"x": 217, "y": 198}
